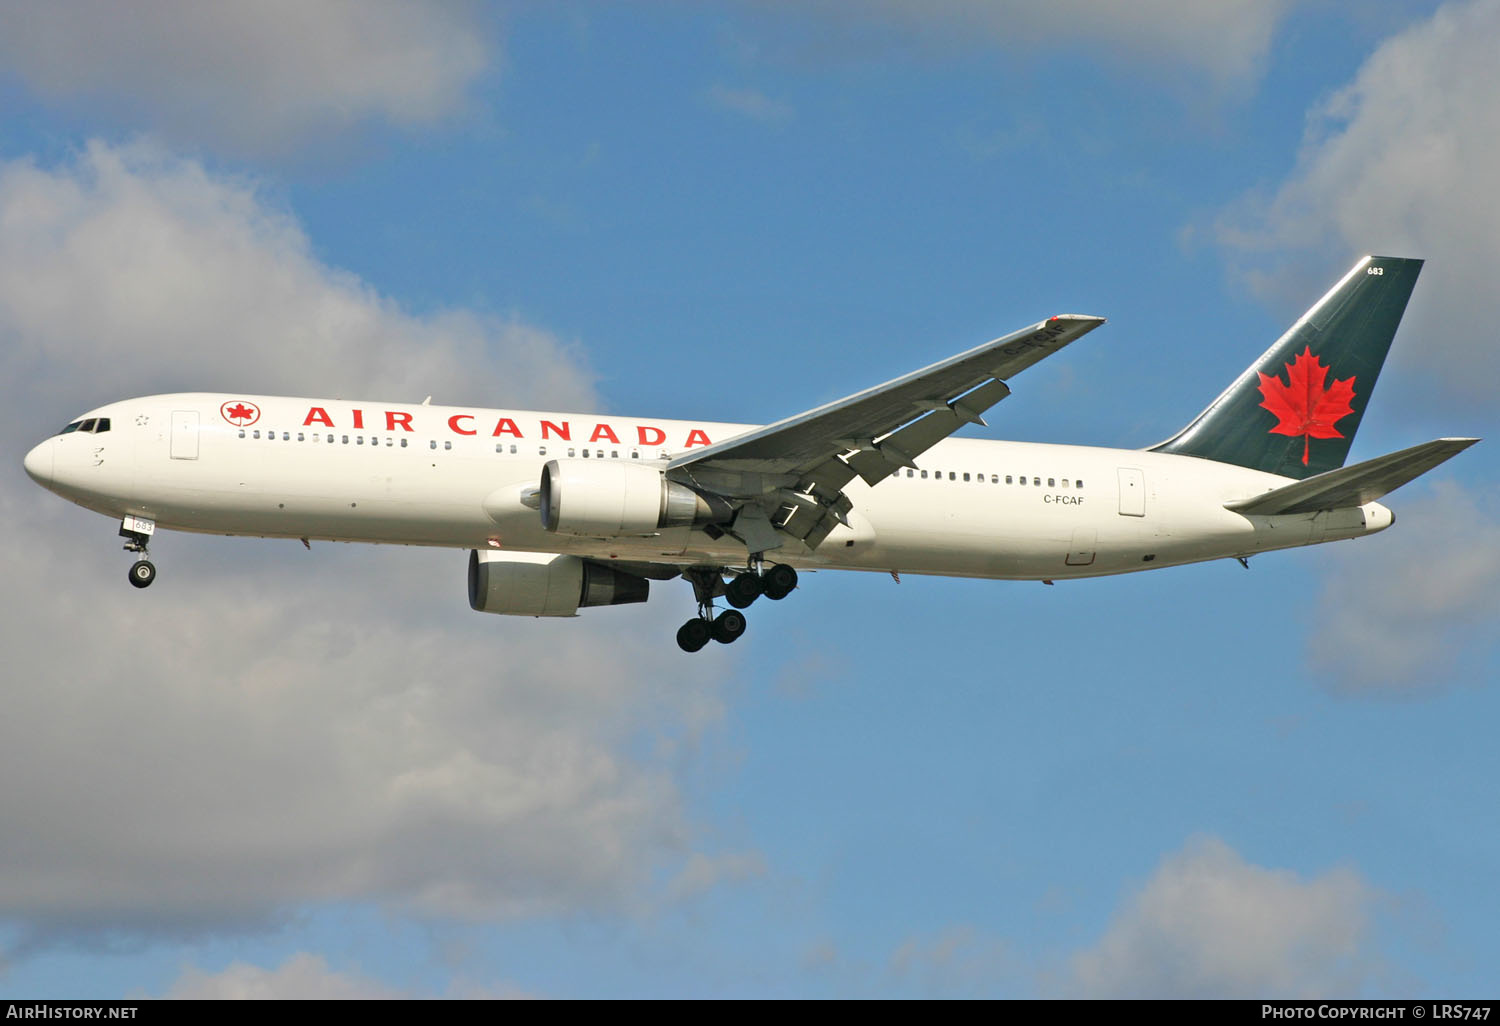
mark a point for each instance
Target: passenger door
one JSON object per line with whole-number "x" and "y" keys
{"x": 1132, "y": 492}
{"x": 184, "y": 434}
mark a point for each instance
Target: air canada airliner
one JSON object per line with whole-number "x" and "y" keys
{"x": 562, "y": 511}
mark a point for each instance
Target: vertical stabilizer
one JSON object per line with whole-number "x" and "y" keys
{"x": 1294, "y": 411}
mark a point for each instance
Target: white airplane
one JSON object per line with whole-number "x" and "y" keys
{"x": 564, "y": 510}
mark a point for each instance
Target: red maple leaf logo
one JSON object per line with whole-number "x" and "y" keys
{"x": 240, "y": 413}
{"x": 1303, "y": 405}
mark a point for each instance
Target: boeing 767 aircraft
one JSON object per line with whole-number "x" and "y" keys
{"x": 567, "y": 510}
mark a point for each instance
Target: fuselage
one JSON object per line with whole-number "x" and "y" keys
{"x": 396, "y": 473}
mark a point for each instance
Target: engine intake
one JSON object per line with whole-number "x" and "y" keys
{"x": 603, "y": 498}
{"x": 545, "y": 584}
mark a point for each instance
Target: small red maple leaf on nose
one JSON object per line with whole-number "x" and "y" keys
{"x": 1303, "y": 406}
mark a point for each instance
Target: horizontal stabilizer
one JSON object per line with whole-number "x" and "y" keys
{"x": 1356, "y": 485}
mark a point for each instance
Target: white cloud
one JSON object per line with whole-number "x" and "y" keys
{"x": 1400, "y": 162}
{"x": 1225, "y": 43}
{"x": 144, "y": 264}
{"x": 1208, "y": 924}
{"x": 334, "y": 725}
{"x": 252, "y": 77}
{"x": 1401, "y": 615}
{"x": 267, "y": 727}
{"x": 303, "y": 977}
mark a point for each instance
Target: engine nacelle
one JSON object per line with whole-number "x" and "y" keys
{"x": 545, "y": 584}
{"x": 612, "y": 498}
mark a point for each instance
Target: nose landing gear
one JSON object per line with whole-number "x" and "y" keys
{"x": 137, "y": 533}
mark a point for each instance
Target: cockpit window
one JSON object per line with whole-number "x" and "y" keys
{"x": 92, "y": 426}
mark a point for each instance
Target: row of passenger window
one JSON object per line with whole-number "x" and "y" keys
{"x": 286, "y": 436}
{"x": 597, "y": 454}
{"x": 392, "y": 441}
{"x": 500, "y": 447}
{"x": 954, "y": 475}
{"x": 92, "y": 426}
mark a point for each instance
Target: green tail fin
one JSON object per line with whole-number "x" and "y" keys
{"x": 1295, "y": 410}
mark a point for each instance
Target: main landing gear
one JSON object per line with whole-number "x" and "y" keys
{"x": 742, "y": 589}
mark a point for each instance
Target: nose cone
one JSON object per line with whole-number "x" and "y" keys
{"x": 39, "y": 463}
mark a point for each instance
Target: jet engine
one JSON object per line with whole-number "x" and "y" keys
{"x": 545, "y": 584}
{"x": 610, "y": 499}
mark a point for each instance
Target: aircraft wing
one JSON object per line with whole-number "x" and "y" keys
{"x": 870, "y": 434}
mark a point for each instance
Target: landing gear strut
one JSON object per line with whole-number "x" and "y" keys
{"x": 742, "y": 589}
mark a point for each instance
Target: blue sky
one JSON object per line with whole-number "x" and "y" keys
{"x": 285, "y": 773}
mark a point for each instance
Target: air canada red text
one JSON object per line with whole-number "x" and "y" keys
{"x": 508, "y": 427}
